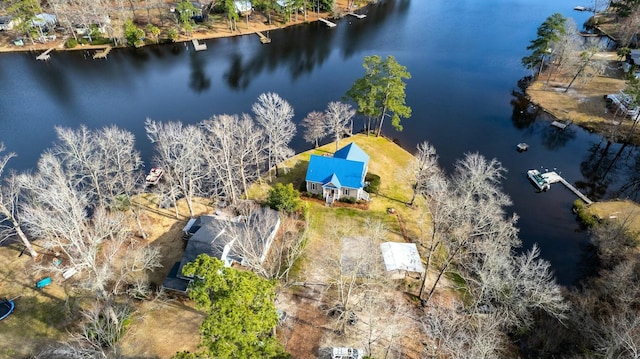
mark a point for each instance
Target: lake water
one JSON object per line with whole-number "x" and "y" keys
{"x": 464, "y": 57}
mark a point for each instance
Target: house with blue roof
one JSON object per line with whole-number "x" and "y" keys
{"x": 339, "y": 176}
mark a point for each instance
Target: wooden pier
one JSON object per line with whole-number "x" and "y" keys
{"x": 198, "y": 46}
{"x": 327, "y": 22}
{"x": 263, "y": 39}
{"x": 561, "y": 125}
{"x": 45, "y": 55}
{"x": 102, "y": 54}
{"x": 359, "y": 16}
{"x": 553, "y": 177}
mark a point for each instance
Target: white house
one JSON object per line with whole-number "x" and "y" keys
{"x": 341, "y": 175}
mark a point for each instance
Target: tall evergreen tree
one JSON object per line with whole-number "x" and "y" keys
{"x": 240, "y": 308}
{"x": 548, "y": 33}
{"x": 381, "y": 92}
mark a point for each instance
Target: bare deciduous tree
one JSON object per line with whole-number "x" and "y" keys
{"x": 337, "y": 117}
{"x": 423, "y": 169}
{"x": 586, "y": 64}
{"x": 235, "y": 152}
{"x": 458, "y": 336}
{"x": 274, "y": 114}
{"x": 285, "y": 251}
{"x": 105, "y": 164}
{"x": 315, "y": 129}
{"x": 357, "y": 267}
{"x": 9, "y": 201}
{"x": 179, "y": 152}
{"x": 566, "y": 45}
{"x": 475, "y": 208}
{"x": 102, "y": 326}
{"x": 55, "y": 212}
{"x": 253, "y": 239}
{"x": 70, "y": 351}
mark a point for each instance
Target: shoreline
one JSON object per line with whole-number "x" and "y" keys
{"x": 585, "y": 107}
{"x": 213, "y": 30}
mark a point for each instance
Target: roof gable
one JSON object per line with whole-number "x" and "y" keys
{"x": 353, "y": 153}
{"x": 333, "y": 182}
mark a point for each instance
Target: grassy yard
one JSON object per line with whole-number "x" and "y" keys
{"x": 388, "y": 160}
{"x": 626, "y": 212}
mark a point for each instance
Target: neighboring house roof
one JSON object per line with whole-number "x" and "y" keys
{"x": 215, "y": 236}
{"x": 353, "y": 153}
{"x": 345, "y": 169}
{"x": 208, "y": 238}
{"x": 242, "y": 6}
{"x": 401, "y": 256}
{"x": 43, "y": 20}
{"x": 635, "y": 56}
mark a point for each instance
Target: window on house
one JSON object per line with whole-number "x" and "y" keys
{"x": 313, "y": 186}
{"x": 346, "y": 192}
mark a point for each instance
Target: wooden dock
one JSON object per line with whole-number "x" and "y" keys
{"x": 102, "y": 54}
{"x": 359, "y": 16}
{"x": 553, "y": 177}
{"x": 561, "y": 125}
{"x": 327, "y": 22}
{"x": 45, "y": 55}
{"x": 198, "y": 46}
{"x": 263, "y": 39}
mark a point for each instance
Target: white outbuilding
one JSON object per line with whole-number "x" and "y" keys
{"x": 401, "y": 258}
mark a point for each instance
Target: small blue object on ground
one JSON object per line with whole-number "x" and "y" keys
{"x": 43, "y": 282}
{"x": 6, "y": 308}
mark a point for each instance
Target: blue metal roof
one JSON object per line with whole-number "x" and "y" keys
{"x": 353, "y": 153}
{"x": 334, "y": 182}
{"x": 337, "y": 171}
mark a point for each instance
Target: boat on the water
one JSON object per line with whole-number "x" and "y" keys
{"x": 521, "y": 147}
{"x": 538, "y": 180}
{"x": 154, "y": 176}
{"x": 6, "y": 308}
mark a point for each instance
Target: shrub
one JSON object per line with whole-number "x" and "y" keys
{"x": 172, "y": 34}
{"x": 132, "y": 33}
{"x": 584, "y": 216}
{"x": 351, "y": 200}
{"x": 303, "y": 186}
{"x": 101, "y": 41}
{"x": 71, "y": 43}
{"x": 284, "y": 198}
{"x": 372, "y": 183}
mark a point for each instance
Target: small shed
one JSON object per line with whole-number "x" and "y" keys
{"x": 401, "y": 258}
